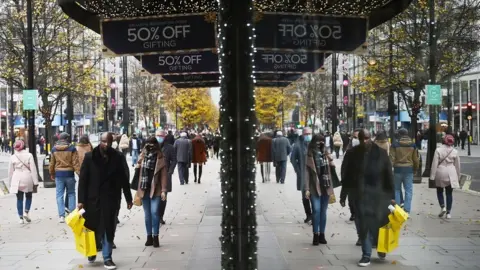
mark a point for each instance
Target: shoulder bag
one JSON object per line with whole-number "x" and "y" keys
{"x": 35, "y": 187}
{"x": 431, "y": 183}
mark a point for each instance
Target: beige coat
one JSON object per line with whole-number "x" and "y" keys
{"x": 160, "y": 176}
{"x": 446, "y": 167}
{"x": 337, "y": 139}
{"x": 124, "y": 142}
{"x": 311, "y": 175}
{"x": 82, "y": 149}
{"x": 22, "y": 172}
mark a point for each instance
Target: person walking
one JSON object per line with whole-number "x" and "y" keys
{"x": 337, "y": 143}
{"x": 264, "y": 155}
{"x": 368, "y": 182}
{"x": 318, "y": 186}
{"x": 166, "y": 142}
{"x": 23, "y": 179}
{"x": 102, "y": 179}
{"x": 382, "y": 141}
{"x": 199, "y": 156}
{"x": 445, "y": 171}
{"x": 124, "y": 144}
{"x": 152, "y": 187}
{"x": 183, "y": 148}
{"x": 463, "y": 138}
{"x": 64, "y": 163}
{"x": 298, "y": 160}
{"x": 216, "y": 144}
{"x": 135, "y": 145}
{"x": 404, "y": 157}
{"x": 281, "y": 148}
{"x": 83, "y": 146}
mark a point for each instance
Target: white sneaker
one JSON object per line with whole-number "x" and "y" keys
{"x": 61, "y": 220}
{"x": 27, "y": 218}
{"x": 449, "y": 216}
{"x": 21, "y": 221}
{"x": 442, "y": 213}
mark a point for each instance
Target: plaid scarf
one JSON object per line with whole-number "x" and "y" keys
{"x": 148, "y": 164}
{"x": 321, "y": 164}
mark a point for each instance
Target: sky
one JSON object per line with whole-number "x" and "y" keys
{"x": 215, "y": 92}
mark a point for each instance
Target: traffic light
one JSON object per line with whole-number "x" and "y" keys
{"x": 131, "y": 115}
{"x": 120, "y": 115}
{"x": 328, "y": 112}
{"x": 469, "y": 112}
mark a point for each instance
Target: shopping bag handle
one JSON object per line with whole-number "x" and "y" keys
{"x": 81, "y": 211}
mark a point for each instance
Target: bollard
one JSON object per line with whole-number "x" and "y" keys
{"x": 417, "y": 178}
{"x": 47, "y": 182}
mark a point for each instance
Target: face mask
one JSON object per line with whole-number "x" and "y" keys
{"x": 307, "y": 138}
{"x": 160, "y": 139}
{"x": 355, "y": 142}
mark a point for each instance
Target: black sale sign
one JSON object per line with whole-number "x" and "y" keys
{"x": 288, "y": 62}
{"x": 279, "y": 84}
{"x": 181, "y": 63}
{"x": 162, "y": 34}
{"x": 197, "y": 84}
{"x": 309, "y": 32}
{"x": 191, "y": 78}
{"x": 277, "y": 77}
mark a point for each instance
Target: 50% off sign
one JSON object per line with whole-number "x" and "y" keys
{"x": 287, "y": 62}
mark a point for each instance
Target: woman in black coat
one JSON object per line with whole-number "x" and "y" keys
{"x": 102, "y": 179}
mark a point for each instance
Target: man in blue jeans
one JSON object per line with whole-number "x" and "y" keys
{"x": 64, "y": 164}
{"x": 135, "y": 146}
{"x": 405, "y": 161}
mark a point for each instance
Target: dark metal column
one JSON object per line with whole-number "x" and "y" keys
{"x": 391, "y": 94}
{"x": 334, "y": 93}
{"x": 12, "y": 118}
{"x": 30, "y": 80}
{"x": 125, "y": 119}
{"x": 354, "y": 106}
{"x": 69, "y": 91}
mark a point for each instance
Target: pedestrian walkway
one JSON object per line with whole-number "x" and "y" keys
{"x": 474, "y": 151}
{"x": 190, "y": 240}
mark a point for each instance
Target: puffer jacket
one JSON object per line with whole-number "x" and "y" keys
{"x": 64, "y": 160}
{"x": 404, "y": 154}
{"x": 82, "y": 149}
{"x": 337, "y": 139}
{"x": 124, "y": 142}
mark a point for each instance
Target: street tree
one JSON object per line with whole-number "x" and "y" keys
{"x": 269, "y": 103}
{"x": 399, "y": 60}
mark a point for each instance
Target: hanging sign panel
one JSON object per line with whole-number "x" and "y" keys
{"x": 272, "y": 83}
{"x": 181, "y": 63}
{"x": 277, "y": 77}
{"x": 291, "y": 62}
{"x": 197, "y": 84}
{"x": 191, "y": 78}
{"x": 154, "y": 35}
{"x": 310, "y": 32}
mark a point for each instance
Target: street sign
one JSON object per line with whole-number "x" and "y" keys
{"x": 191, "y": 77}
{"x": 30, "y": 100}
{"x": 181, "y": 63}
{"x": 162, "y": 34}
{"x": 309, "y": 32}
{"x": 288, "y": 62}
{"x": 434, "y": 94}
{"x": 277, "y": 77}
{"x": 272, "y": 83}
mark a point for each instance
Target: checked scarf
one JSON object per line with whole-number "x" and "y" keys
{"x": 149, "y": 163}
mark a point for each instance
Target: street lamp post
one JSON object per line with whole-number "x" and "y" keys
{"x": 30, "y": 80}
{"x": 125, "y": 119}
{"x": 334, "y": 92}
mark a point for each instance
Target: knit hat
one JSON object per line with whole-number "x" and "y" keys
{"x": 403, "y": 132}
{"x": 19, "y": 145}
{"x": 449, "y": 140}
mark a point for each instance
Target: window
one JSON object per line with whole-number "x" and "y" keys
{"x": 473, "y": 91}
{"x": 456, "y": 93}
{"x": 464, "y": 88}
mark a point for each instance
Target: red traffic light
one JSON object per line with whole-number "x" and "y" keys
{"x": 469, "y": 104}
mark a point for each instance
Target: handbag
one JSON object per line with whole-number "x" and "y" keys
{"x": 431, "y": 182}
{"x": 135, "y": 179}
{"x": 137, "y": 201}
{"x": 335, "y": 181}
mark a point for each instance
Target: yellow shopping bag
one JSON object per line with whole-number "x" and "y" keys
{"x": 388, "y": 239}
{"x": 85, "y": 243}
{"x": 75, "y": 221}
{"x": 332, "y": 199}
{"x": 397, "y": 217}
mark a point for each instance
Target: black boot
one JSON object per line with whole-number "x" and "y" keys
{"x": 261, "y": 171}
{"x": 322, "y": 239}
{"x": 195, "y": 172}
{"x": 315, "y": 239}
{"x": 149, "y": 241}
{"x": 200, "y": 167}
{"x": 308, "y": 219}
{"x": 156, "y": 243}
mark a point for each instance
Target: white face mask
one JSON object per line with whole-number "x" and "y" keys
{"x": 355, "y": 142}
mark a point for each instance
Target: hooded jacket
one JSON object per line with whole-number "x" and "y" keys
{"x": 404, "y": 154}
{"x": 64, "y": 160}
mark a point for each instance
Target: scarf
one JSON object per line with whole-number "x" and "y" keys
{"x": 321, "y": 164}
{"x": 148, "y": 164}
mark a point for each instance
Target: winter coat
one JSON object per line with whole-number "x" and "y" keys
{"x": 312, "y": 183}
{"x": 160, "y": 176}
{"x": 264, "y": 148}
{"x": 384, "y": 144}
{"x": 199, "y": 150}
{"x": 124, "y": 143}
{"x": 183, "y": 148}
{"x": 404, "y": 154}
{"x": 281, "y": 148}
{"x": 82, "y": 149}
{"x": 64, "y": 160}
{"x": 170, "y": 162}
{"x": 298, "y": 159}
{"x": 22, "y": 172}
{"x": 446, "y": 167}
{"x": 138, "y": 142}
{"x": 100, "y": 187}
{"x": 368, "y": 181}
{"x": 337, "y": 140}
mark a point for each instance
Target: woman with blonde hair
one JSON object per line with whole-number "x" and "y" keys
{"x": 23, "y": 178}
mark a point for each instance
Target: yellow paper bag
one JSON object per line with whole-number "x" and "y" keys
{"x": 85, "y": 243}
{"x": 332, "y": 199}
{"x": 137, "y": 201}
{"x": 75, "y": 221}
{"x": 397, "y": 217}
{"x": 388, "y": 239}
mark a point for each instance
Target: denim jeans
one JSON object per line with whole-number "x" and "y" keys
{"x": 280, "y": 170}
{"x": 405, "y": 178}
{"x": 152, "y": 215}
{"x": 367, "y": 244}
{"x": 68, "y": 184}
{"x": 449, "y": 195}
{"x": 319, "y": 212}
{"x": 134, "y": 156}
{"x": 106, "y": 248}
{"x": 28, "y": 202}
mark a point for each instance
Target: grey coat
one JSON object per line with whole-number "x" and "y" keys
{"x": 298, "y": 158}
{"x": 171, "y": 161}
{"x": 183, "y": 147}
{"x": 281, "y": 148}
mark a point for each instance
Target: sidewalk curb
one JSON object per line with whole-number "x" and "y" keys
{"x": 466, "y": 185}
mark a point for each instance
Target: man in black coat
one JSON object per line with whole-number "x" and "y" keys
{"x": 369, "y": 184}
{"x": 166, "y": 144}
{"x": 102, "y": 179}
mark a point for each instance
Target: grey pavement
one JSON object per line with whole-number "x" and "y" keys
{"x": 190, "y": 240}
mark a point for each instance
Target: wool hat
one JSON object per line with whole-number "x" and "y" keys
{"x": 449, "y": 140}
{"x": 19, "y": 145}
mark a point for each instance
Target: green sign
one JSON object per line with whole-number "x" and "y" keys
{"x": 30, "y": 100}
{"x": 434, "y": 94}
